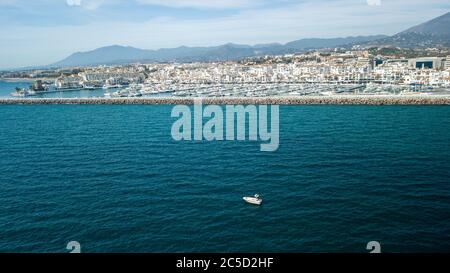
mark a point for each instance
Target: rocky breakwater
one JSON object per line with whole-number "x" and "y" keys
{"x": 297, "y": 100}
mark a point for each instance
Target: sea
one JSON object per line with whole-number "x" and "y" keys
{"x": 112, "y": 178}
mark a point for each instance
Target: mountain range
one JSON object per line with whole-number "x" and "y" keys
{"x": 435, "y": 32}
{"x": 125, "y": 54}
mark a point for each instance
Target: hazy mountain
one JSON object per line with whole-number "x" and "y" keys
{"x": 124, "y": 54}
{"x": 435, "y": 32}
{"x": 330, "y": 43}
{"x": 437, "y": 26}
{"x": 104, "y": 55}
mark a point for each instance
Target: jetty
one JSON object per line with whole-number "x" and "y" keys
{"x": 281, "y": 100}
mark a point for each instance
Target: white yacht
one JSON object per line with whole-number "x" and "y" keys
{"x": 23, "y": 93}
{"x": 256, "y": 200}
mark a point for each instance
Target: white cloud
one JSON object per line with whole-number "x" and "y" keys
{"x": 92, "y": 4}
{"x": 86, "y": 4}
{"x": 374, "y": 2}
{"x": 202, "y": 4}
{"x": 73, "y": 3}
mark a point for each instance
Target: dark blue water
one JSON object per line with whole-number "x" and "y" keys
{"x": 112, "y": 178}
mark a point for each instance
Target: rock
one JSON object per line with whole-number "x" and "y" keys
{"x": 297, "y": 100}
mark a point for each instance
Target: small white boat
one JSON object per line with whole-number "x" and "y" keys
{"x": 253, "y": 200}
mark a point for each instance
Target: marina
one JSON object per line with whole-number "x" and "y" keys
{"x": 230, "y": 90}
{"x": 315, "y": 73}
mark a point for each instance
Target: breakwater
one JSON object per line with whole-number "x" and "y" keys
{"x": 297, "y": 100}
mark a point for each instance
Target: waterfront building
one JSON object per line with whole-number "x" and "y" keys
{"x": 427, "y": 62}
{"x": 71, "y": 82}
{"x": 447, "y": 62}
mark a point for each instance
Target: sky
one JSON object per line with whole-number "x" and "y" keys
{"x": 42, "y": 32}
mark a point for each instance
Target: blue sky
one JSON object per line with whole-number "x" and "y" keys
{"x": 44, "y": 31}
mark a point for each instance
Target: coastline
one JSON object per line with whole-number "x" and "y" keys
{"x": 292, "y": 100}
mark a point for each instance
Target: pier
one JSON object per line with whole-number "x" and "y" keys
{"x": 288, "y": 100}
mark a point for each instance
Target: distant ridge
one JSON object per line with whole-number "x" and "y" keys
{"x": 435, "y": 33}
{"x": 439, "y": 26}
{"x": 125, "y": 54}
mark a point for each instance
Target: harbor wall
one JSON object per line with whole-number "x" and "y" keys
{"x": 297, "y": 100}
